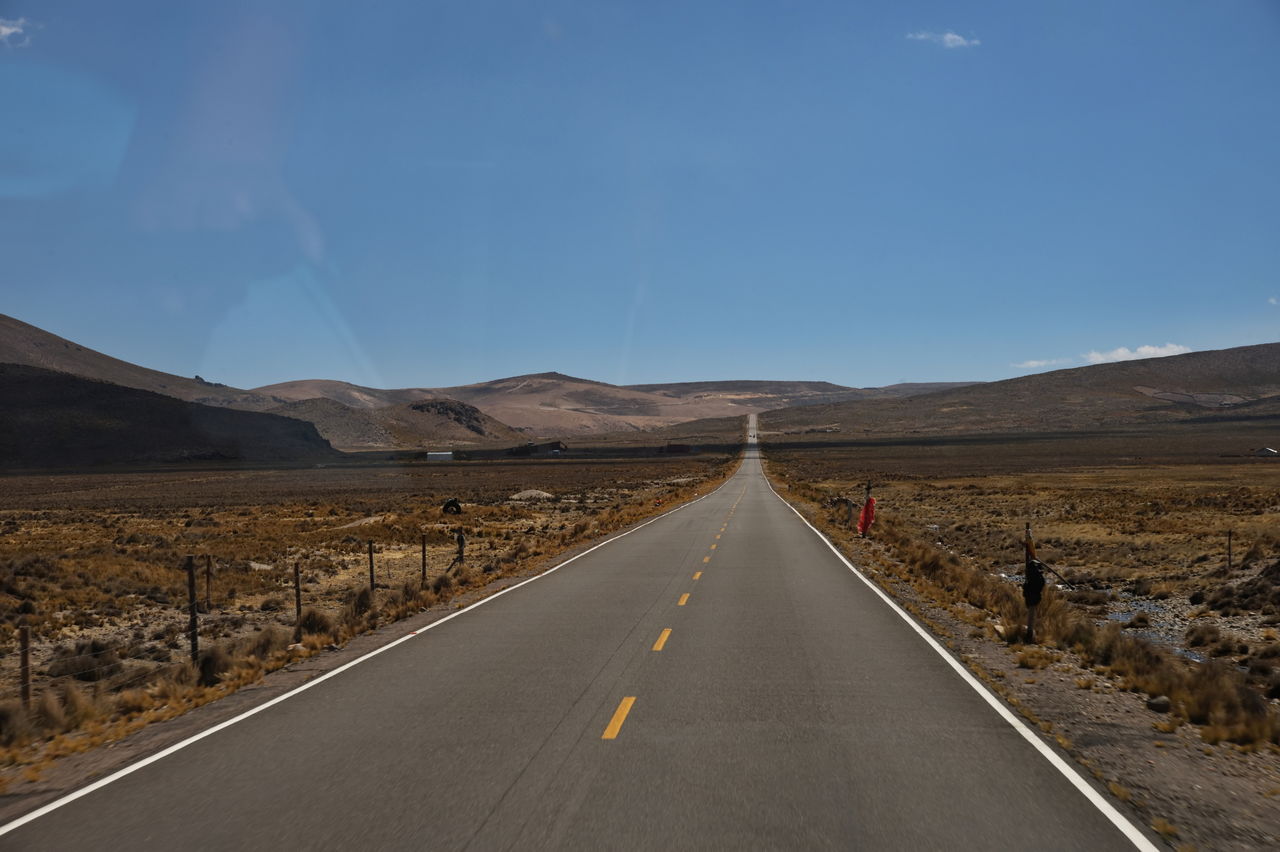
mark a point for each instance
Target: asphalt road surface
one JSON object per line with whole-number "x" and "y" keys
{"x": 715, "y": 679}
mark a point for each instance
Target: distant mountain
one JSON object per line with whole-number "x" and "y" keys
{"x": 539, "y": 405}
{"x": 56, "y": 420}
{"x": 21, "y": 343}
{"x": 1154, "y": 390}
{"x": 757, "y": 396}
{"x": 339, "y": 410}
{"x": 556, "y": 405}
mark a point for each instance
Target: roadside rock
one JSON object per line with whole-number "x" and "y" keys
{"x": 1159, "y": 704}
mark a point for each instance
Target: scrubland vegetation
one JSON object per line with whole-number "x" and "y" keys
{"x": 91, "y": 564}
{"x": 1149, "y": 598}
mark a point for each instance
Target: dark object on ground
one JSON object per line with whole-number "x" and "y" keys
{"x": 451, "y": 507}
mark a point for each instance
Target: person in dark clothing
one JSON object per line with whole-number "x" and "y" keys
{"x": 1032, "y": 591}
{"x": 462, "y": 550}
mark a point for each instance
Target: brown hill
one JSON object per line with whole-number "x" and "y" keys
{"x": 552, "y": 405}
{"x": 56, "y": 420}
{"x": 1154, "y": 390}
{"x": 346, "y": 422}
{"x": 21, "y": 343}
{"x": 556, "y": 405}
{"x": 425, "y": 424}
{"x": 444, "y": 423}
{"x": 355, "y": 396}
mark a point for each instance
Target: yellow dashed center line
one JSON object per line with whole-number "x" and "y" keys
{"x": 697, "y": 575}
{"x": 713, "y": 547}
{"x": 706, "y": 559}
{"x": 662, "y": 639}
{"x": 619, "y": 716}
{"x": 717, "y": 536}
{"x": 684, "y": 599}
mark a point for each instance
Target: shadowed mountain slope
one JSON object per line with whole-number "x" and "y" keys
{"x": 21, "y": 343}
{"x": 52, "y": 419}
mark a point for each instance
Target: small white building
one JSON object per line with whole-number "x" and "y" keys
{"x": 446, "y": 455}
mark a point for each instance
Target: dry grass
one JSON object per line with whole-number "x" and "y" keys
{"x": 958, "y": 543}
{"x": 91, "y": 563}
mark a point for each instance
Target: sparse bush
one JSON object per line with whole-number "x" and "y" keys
{"x": 91, "y": 660}
{"x": 362, "y": 601}
{"x": 1037, "y": 658}
{"x": 265, "y": 643}
{"x": 14, "y": 724}
{"x": 49, "y": 712}
{"x": 1139, "y": 619}
{"x": 214, "y": 662}
{"x": 1202, "y": 633}
{"x": 78, "y": 706}
{"x": 315, "y": 622}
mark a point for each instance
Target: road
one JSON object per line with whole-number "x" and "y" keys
{"x": 717, "y": 678}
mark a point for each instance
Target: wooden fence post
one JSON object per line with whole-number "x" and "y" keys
{"x": 297, "y": 602}
{"x": 1229, "y": 550}
{"x": 24, "y": 643}
{"x": 194, "y": 626}
{"x": 371, "y": 566}
{"x": 424, "y": 559}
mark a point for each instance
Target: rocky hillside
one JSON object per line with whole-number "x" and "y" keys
{"x": 431, "y": 424}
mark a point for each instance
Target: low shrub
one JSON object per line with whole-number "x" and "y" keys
{"x": 91, "y": 660}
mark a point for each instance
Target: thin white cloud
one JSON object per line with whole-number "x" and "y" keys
{"x": 1124, "y": 353}
{"x": 1036, "y": 364}
{"x": 948, "y": 39}
{"x": 1273, "y": 301}
{"x": 14, "y": 33}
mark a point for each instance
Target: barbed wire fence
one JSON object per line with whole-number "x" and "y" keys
{"x": 35, "y": 667}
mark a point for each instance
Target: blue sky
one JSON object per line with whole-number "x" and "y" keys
{"x": 437, "y": 193}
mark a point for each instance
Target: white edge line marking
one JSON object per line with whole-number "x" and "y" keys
{"x": 178, "y": 746}
{"x": 1118, "y": 819}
